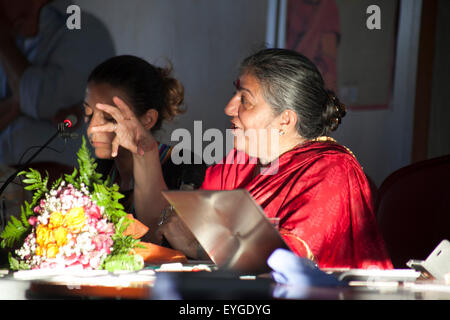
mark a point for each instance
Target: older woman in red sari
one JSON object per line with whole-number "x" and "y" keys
{"x": 314, "y": 185}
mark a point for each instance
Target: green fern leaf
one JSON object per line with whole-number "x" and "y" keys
{"x": 56, "y": 183}
{"x": 88, "y": 176}
{"x": 70, "y": 178}
{"x": 15, "y": 264}
{"x": 25, "y": 213}
{"x": 13, "y": 232}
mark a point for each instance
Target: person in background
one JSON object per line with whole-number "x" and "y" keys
{"x": 43, "y": 70}
{"x": 313, "y": 184}
{"x": 154, "y": 96}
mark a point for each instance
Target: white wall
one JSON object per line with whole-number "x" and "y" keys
{"x": 205, "y": 41}
{"x": 382, "y": 139}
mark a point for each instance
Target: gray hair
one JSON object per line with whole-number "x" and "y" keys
{"x": 289, "y": 80}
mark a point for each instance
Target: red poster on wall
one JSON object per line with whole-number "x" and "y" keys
{"x": 356, "y": 62}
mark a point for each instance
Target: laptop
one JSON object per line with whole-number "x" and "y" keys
{"x": 231, "y": 227}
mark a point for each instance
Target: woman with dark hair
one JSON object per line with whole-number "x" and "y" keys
{"x": 281, "y": 118}
{"x": 153, "y": 96}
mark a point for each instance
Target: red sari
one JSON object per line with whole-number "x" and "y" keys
{"x": 322, "y": 197}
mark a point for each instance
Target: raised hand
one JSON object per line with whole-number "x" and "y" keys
{"x": 130, "y": 133}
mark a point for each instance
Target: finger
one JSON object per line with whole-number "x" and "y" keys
{"x": 159, "y": 234}
{"x": 109, "y": 127}
{"x": 126, "y": 110}
{"x": 163, "y": 230}
{"x": 140, "y": 151}
{"x": 166, "y": 230}
{"x": 115, "y": 112}
{"x": 115, "y": 147}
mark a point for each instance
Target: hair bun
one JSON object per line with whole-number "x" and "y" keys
{"x": 174, "y": 94}
{"x": 333, "y": 113}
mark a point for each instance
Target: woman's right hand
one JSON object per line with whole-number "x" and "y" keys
{"x": 130, "y": 133}
{"x": 181, "y": 238}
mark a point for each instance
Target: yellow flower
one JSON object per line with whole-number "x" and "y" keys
{"x": 43, "y": 235}
{"x": 52, "y": 250}
{"x": 56, "y": 220}
{"x": 74, "y": 219}
{"x": 39, "y": 251}
{"x": 60, "y": 236}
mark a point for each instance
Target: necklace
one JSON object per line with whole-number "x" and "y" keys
{"x": 330, "y": 139}
{"x": 259, "y": 167}
{"x": 323, "y": 139}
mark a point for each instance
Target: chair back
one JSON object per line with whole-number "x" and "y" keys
{"x": 413, "y": 209}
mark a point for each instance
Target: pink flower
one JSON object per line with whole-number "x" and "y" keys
{"x": 32, "y": 220}
{"x": 92, "y": 222}
{"x": 102, "y": 242}
{"x": 104, "y": 227}
{"x": 94, "y": 260}
{"x": 97, "y": 242}
{"x": 84, "y": 259}
{"x": 48, "y": 265}
{"x": 94, "y": 212}
{"x": 87, "y": 200}
{"x": 71, "y": 260}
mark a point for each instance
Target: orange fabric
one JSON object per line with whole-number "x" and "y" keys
{"x": 154, "y": 254}
{"x": 136, "y": 229}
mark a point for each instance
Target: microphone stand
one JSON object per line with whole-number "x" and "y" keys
{"x": 59, "y": 131}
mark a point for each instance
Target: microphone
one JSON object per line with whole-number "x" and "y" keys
{"x": 70, "y": 121}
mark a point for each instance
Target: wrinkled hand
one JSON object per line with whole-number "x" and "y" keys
{"x": 130, "y": 133}
{"x": 179, "y": 236}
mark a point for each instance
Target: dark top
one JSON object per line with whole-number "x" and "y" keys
{"x": 176, "y": 176}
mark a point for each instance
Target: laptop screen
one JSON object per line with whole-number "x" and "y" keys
{"x": 230, "y": 226}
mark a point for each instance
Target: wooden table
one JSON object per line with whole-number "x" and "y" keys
{"x": 216, "y": 285}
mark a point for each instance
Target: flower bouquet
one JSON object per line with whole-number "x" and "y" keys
{"x": 77, "y": 223}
